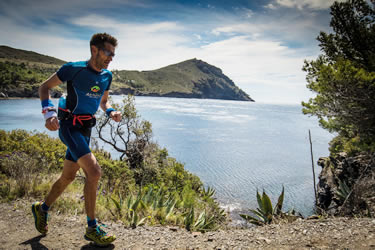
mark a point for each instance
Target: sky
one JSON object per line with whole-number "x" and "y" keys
{"x": 260, "y": 44}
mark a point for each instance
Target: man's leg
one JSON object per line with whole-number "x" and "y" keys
{"x": 68, "y": 175}
{"x": 93, "y": 172}
{"x": 40, "y": 209}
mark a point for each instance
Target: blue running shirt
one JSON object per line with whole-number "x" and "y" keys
{"x": 85, "y": 86}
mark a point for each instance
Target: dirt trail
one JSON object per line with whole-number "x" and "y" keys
{"x": 66, "y": 232}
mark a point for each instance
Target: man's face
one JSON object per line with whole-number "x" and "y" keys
{"x": 104, "y": 56}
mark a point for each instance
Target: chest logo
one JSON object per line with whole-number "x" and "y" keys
{"x": 95, "y": 89}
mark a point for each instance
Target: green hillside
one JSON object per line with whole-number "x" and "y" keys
{"x": 27, "y": 56}
{"x": 192, "y": 78}
{"x": 21, "y": 73}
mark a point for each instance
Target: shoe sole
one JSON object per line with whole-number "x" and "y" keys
{"x": 98, "y": 244}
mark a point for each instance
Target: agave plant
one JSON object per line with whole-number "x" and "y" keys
{"x": 208, "y": 193}
{"x": 266, "y": 213}
{"x": 204, "y": 222}
{"x": 343, "y": 190}
{"x": 189, "y": 219}
{"x": 119, "y": 205}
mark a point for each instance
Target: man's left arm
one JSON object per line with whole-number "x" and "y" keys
{"x": 106, "y": 107}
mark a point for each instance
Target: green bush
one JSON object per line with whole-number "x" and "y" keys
{"x": 30, "y": 162}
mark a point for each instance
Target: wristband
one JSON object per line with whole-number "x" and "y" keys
{"x": 47, "y": 103}
{"x": 108, "y": 111}
{"x": 49, "y": 112}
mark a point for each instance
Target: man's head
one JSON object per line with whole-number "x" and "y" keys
{"x": 102, "y": 46}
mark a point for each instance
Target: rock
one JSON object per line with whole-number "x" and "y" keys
{"x": 174, "y": 229}
{"x": 268, "y": 241}
{"x": 195, "y": 234}
{"x": 346, "y": 170}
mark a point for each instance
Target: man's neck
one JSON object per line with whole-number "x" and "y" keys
{"x": 92, "y": 65}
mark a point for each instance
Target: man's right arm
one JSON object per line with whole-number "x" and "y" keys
{"x": 52, "y": 122}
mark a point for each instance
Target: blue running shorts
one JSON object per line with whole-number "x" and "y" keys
{"x": 76, "y": 139}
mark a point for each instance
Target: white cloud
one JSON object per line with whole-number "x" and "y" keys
{"x": 302, "y": 4}
{"x": 270, "y": 6}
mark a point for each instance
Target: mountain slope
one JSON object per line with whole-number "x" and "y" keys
{"x": 29, "y": 56}
{"x": 21, "y": 73}
{"x": 192, "y": 78}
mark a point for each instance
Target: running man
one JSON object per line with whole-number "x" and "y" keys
{"x": 88, "y": 85}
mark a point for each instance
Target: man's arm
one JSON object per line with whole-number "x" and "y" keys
{"x": 52, "y": 122}
{"x": 50, "y": 83}
{"x": 106, "y": 107}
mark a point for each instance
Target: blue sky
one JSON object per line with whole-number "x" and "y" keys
{"x": 260, "y": 45}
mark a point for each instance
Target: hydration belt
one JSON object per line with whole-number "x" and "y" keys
{"x": 85, "y": 121}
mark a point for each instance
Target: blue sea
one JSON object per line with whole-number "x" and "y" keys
{"x": 235, "y": 147}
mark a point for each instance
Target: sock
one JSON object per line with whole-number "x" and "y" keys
{"x": 91, "y": 222}
{"x": 45, "y": 207}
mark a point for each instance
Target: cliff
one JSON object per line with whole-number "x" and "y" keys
{"x": 347, "y": 185}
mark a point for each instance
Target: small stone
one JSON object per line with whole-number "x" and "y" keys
{"x": 195, "y": 234}
{"x": 268, "y": 241}
{"x": 304, "y": 232}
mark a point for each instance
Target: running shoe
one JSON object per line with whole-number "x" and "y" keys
{"x": 99, "y": 236}
{"x": 40, "y": 217}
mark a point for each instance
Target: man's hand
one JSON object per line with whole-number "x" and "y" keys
{"x": 52, "y": 124}
{"x": 116, "y": 116}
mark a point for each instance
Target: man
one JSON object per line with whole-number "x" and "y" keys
{"x": 88, "y": 85}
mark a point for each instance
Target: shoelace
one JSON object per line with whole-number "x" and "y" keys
{"x": 101, "y": 231}
{"x": 44, "y": 219}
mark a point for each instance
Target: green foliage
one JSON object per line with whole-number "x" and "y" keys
{"x": 159, "y": 206}
{"x": 344, "y": 77}
{"x": 46, "y": 151}
{"x": 23, "y": 79}
{"x": 266, "y": 213}
{"x": 343, "y": 190}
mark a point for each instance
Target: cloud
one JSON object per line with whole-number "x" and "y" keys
{"x": 303, "y": 4}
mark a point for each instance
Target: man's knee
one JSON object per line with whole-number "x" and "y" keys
{"x": 95, "y": 173}
{"x": 91, "y": 167}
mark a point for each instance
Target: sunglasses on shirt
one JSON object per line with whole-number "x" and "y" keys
{"x": 108, "y": 53}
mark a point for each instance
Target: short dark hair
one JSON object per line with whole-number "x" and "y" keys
{"x": 99, "y": 39}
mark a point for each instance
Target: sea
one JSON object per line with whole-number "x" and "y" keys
{"x": 235, "y": 147}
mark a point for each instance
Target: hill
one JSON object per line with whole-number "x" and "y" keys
{"x": 13, "y": 54}
{"x": 190, "y": 79}
{"x": 21, "y": 73}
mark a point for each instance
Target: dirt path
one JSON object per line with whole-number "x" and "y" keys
{"x": 66, "y": 232}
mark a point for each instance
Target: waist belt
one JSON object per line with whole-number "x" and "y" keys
{"x": 65, "y": 114}
{"x": 81, "y": 118}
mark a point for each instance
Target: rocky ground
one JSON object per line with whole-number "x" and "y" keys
{"x": 66, "y": 232}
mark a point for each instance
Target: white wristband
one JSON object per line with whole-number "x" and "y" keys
{"x": 49, "y": 114}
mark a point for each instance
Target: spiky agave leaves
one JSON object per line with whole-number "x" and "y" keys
{"x": 265, "y": 213}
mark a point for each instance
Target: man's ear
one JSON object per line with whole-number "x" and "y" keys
{"x": 94, "y": 50}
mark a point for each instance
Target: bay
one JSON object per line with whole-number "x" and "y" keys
{"x": 235, "y": 147}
